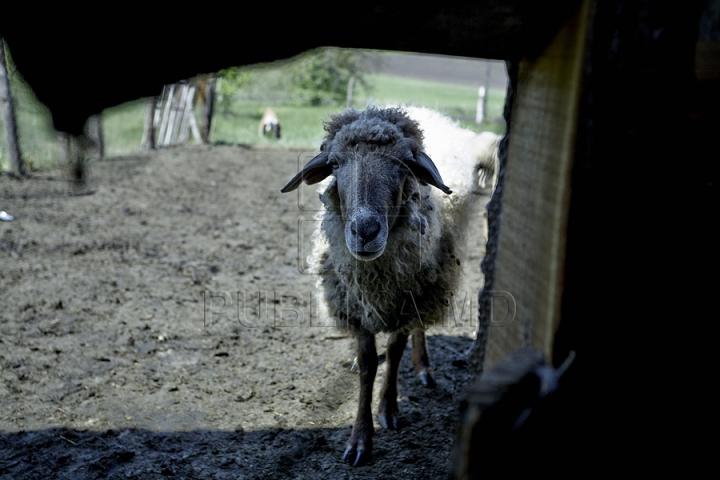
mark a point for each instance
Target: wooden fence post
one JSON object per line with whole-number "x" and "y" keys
{"x": 148, "y": 139}
{"x": 17, "y": 166}
{"x": 350, "y": 91}
{"x": 95, "y": 133}
{"x": 207, "y": 101}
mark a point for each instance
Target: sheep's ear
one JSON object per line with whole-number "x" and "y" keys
{"x": 316, "y": 170}
{"x": 425, "y": 170}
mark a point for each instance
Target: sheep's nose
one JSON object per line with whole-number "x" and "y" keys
{"x": 366, "y": 228}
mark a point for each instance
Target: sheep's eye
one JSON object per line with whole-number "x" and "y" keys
{"x": 333, "y": 161}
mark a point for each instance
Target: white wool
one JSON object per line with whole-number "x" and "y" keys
{"x": 467, "y": 161}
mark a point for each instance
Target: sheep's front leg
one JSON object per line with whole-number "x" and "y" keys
{"x": 359, "y": 447}
{"x": 420, "y": 359}
{"x": 388, "y": 414}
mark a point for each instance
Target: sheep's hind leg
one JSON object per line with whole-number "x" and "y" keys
{"x": 359, "y": 447}
{"x": 420, "y": 359}
{"x": 388, "y": 413}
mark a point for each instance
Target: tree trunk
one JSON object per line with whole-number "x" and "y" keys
{"x": 17, "y": 166}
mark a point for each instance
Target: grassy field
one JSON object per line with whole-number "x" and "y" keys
{"x": 38, "y": 140}
{"x": 237, "y": 120}
{"x": 237, "y": 115}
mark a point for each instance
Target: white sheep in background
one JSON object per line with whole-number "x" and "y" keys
{"x": 269, "y": 124}
{"x": 392, "y": 235}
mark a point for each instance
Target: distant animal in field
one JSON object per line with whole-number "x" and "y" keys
{"x": 269, "y": 124}
{"x": 391, "y": 236}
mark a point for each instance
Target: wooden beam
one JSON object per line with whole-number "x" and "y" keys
{"x": 531, "y": 244}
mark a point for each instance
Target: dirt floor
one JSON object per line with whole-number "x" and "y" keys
{"x": 114, "y": 363}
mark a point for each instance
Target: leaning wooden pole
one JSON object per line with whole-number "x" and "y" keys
{"x": 207, "y": 98}
{"x": 17, "y": 166}
{"x": 95, "y": 133}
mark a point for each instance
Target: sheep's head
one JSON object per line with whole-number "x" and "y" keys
{"x": 372, "y": 155}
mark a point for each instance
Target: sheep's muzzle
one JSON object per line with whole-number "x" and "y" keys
{"x": 366, "y": 234}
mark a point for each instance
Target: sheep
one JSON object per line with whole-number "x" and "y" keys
{"x": 269, "y": 124}
{"x": 391, "y": 237}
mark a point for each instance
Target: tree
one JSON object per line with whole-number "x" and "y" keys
{"x": 233, "y": 79}
{"x": 17, "y": 166}
{"x": 322, "y": 76}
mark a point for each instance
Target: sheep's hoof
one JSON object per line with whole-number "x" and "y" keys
{"x": 427, "y": 379}
{"x": 388, "y": 413}
{"x": 359, "y": 449}
{"x": 388, "y": 420}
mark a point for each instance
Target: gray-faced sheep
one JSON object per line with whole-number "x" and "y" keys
{"x": 269, "y": 124}
{"x": 391, "y": 237}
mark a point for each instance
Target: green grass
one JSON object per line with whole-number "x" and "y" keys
{"x": 237, "y": 116}
{"x": 37, "y": 138}
{"x": 457, "y": 101}
{"x": 238, "y": 123}
{"x": 123, "y": 127}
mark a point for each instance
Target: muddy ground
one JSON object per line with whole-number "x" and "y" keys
{"x": 113, "y": 365}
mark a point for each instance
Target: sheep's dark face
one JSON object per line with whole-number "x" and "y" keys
{"x": 369, "y": 185}
{"x": 371, "y": 158}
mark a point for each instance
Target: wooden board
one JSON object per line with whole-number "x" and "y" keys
{"x": 531, "y": 244}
